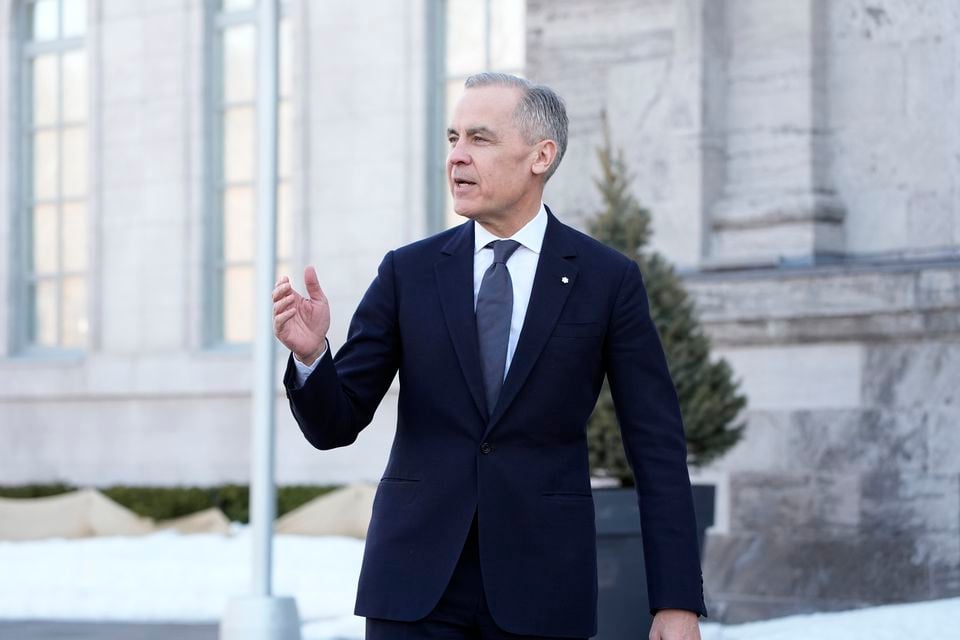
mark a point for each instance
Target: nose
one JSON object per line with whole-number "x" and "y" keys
{"x": 458, "y": 155}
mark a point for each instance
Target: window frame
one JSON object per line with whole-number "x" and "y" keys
{"x": 215, "y": 265}
{"x": 22, "y": 330}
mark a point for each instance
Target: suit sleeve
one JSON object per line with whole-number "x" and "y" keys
{"x": 341, "y": 395}
{"x": 652, "y": 430}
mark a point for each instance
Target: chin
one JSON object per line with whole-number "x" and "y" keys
{"x": 464, "y": 211}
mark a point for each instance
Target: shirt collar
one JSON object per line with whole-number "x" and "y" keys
{"x": 529, "y": 235}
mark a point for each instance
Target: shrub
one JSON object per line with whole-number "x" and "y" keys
{"x": 708, "y": 395}
{"x": 163, "y": 503}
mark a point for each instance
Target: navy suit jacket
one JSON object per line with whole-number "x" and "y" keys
{"x": 521, "y": 466}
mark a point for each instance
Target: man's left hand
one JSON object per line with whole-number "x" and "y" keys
{"x": 675, "y": 624}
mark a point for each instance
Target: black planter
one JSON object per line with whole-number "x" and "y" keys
{"x": 622, "y": 581}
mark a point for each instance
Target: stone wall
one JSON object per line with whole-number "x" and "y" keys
{"x": 149, "y": 402}
{"x": 894, "y": 81}
{"x": 616, "y": 61}
{"x": 801, "y": 160}
{"x": 764, "y": 131}
{"x": 846, "y": 488}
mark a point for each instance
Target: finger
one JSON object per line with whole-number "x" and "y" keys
{"x": 283, "y": 304}
{"x": 283, "y": 290}
{"x": 313, "y": 285}
{"x": 282, "y": 280}
{"x": 281, "y": 319}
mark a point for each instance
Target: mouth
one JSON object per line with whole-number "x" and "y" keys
{"x": 461, "y": 186}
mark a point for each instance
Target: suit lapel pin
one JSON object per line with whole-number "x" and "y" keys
{"x": 565, "y": 280}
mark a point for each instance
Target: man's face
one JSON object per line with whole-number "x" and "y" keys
{"x": 489, "y": 164}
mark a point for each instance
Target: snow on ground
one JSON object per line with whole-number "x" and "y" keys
{"x": 177, "y": 578}
{"x": 935, "y": 620}
{"x": 172, "y": 577}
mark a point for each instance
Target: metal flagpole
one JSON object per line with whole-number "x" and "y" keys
{"x": 261, "y": 616}
{"x": 262, "y": 490}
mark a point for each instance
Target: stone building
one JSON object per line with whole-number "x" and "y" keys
{"x": 801, "y": 159}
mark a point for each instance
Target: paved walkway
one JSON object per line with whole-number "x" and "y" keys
{"x": 33, "y": 630}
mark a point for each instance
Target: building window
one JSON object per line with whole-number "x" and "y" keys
{"x": 233, "y": 167}
{"x": 479, "y": 35}
{"x": 53, "y": 175}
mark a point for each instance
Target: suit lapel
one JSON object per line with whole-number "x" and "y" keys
{"x": 555, "y": 277}
{"x": 454, "y": 273}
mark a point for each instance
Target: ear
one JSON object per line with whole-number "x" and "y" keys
{"x": 546, "y": 153}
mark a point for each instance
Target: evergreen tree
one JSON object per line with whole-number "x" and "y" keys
{"x": 709, "y": 398}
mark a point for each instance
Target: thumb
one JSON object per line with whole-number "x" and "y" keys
{"x": 312, "y": 284}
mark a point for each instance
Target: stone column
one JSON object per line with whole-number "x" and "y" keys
{"x": 777, "y": 200}
{"x": 697, "y": 119}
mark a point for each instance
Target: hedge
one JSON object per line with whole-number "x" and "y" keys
{"x": 162, "y": 503}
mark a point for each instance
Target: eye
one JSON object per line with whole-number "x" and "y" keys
{"x": 452, "y": 140}
{"x": 479, "y": 139}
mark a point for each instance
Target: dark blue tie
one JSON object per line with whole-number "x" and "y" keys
{"x": 494, "y": 310}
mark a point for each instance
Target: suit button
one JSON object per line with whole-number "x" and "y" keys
{"x": 485, "y": 448}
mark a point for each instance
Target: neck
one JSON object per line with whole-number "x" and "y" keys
{"x": 509, "y": 225}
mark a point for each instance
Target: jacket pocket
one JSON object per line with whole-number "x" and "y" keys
{"x": 395, "y": 492}
{"x": 398, "y": 479}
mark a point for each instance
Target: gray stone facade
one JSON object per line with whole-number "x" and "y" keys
{"x": 801, "y": 161}
{"x": 846, "y": 489}
{"x": 149, "y": 402}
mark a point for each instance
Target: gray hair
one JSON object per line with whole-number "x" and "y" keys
{"x": 540, "y": 114}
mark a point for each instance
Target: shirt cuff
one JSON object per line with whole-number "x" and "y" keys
{"x": 304, "y": 370}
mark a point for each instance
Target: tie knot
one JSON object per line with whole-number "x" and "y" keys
{"x": 503, "y": 249}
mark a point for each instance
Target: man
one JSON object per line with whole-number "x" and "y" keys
{"x": 501, "y": 330}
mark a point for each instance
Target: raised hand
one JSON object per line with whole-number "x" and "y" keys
{"x": 301, "y": 324}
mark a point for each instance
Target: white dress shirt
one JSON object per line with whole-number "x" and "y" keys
{"x": 522, "y": 266}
